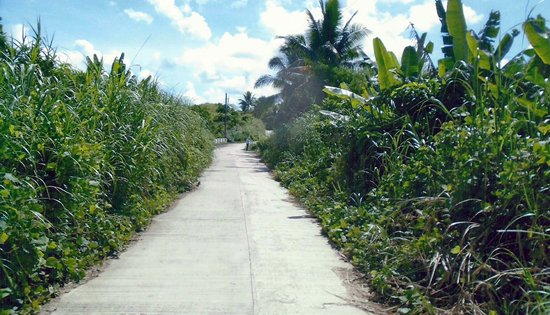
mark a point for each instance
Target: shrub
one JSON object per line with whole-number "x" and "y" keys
{"x": 452, "y": 218}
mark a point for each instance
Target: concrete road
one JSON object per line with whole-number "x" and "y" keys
{"x": 236, "y": 245}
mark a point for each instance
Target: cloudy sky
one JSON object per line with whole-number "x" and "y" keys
{"x": 205, "y": 48}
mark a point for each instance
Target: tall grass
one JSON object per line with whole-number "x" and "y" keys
{"x": 86, "y": 158}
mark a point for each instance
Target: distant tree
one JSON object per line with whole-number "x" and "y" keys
{"x": 247, "y": 102}
{"x": 266, "y": 110}
{"x": 3, "y": 40}
{"x": 264, "y": 105}
{"x": 207, "y": 117}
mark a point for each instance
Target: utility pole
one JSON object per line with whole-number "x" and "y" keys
{"x": 225, "y": 116}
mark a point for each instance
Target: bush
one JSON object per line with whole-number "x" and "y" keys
{"x": 443, "y": 212}
{"x": 248, "y": 126}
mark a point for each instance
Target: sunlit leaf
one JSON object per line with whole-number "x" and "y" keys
{"x": 385, "y": 62}
{"x": 456, "y": 250}
{"x": 538, "y": 39}
{"x": 457, "y": 29}
{"x": 3, "y": 238}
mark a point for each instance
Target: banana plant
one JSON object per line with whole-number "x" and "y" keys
{"x": 459, "y": 44}
{"x": 391, "y": 73}
{"x": 456, "y": 24}
{"x": 387, "y": 65}
{"x": 344, "y": 93}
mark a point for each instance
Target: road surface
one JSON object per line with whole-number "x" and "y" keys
{"x": 235, "y": 245}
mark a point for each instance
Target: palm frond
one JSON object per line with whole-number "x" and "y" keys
{"x": 277, "y": 63}
{"x": 264, "y": 80}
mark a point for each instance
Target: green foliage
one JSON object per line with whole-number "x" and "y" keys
{"x": 86, "y": 158}
{"x": 248, "y": 126}
{"x": 456, "y": 24}
{"x": 537, "y": 34}
{"x": 386, "y": 63}
{"x": 3, "y": 40}
{"x": 240, "y": 125}
{"x": 266, "y": 110}
{"x": 248, "y": 102}
{"x": 410, "y": 63}
{"x": 436, "y": 187}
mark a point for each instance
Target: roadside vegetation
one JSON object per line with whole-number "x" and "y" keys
{"x": 240, "y": 124}
{"x": 86, "y": 159}
{"x": 433, "y": 178}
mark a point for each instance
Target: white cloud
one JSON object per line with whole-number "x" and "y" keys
{"x": 239, "y": 3}
{"x": 233, "y": 84}
{"x": 85, "y": 47}
{"x": 472, "y": 17}
{"x": 280, "y": 22}
{"x": 139, "y": 16}
{"x": 364, "y": 7}
{"x": 82, "y": 49}
{"x": 232, "y": 52}
{"x": 145, "y": 73}
{"x": 191, "y": 93}
{"x": 186, "y": 20}
{"x": 19, "y": 32}
{"x": 73, "y": 57}
{"x": 186, "y": 8}
{"x": 424, "y": 16}
{"x": 231, "y": 64}
{"x": 195, "y": 24}
{"x": 391, "y": 29}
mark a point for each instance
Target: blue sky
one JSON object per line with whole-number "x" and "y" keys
{"x": 204, "y": 48}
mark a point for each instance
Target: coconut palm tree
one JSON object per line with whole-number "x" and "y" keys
{"x": 247, "y": 102}
{"x": 329, "y": 40}
{"x": 307, "y": 62}
{"x": 290, "y": 73}
{"x": 297, "y": 85}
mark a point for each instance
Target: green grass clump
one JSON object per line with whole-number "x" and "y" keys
{"x": 86, "y": 159}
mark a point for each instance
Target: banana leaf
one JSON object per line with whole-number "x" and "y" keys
{"x": 385, "y": 62}
{"x": 457, "y": 29}
{"x": 539, "y": 40}
{"x": 410, "y": 64}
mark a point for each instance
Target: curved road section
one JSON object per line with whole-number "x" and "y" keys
{"x": 235, "y": 245}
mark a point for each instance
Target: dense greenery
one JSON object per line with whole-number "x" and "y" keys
{"x": 86, "y": 158}
{"x": 436, "y": 183}
{"x": 240, "y": 124}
